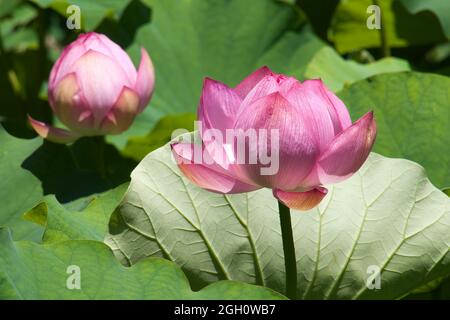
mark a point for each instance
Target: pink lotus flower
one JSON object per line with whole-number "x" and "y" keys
{"x": 94, "y": 89}
{"x": 318, "y": 144}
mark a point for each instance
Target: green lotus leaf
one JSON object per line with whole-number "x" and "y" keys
{"x": 387, "y": 217}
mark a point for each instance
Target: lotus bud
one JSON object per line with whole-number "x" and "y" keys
{"x": 94, "y": 89}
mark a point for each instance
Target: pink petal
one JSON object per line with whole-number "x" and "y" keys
{"x": 200, "y": 154}
{"x": 243, "y": 88}
{"x": 101, "y": 43}
{"x": 101, "y": 80}
{"x": 348, "y": 151}
{"x": 342, "y": 115}
{"x": 311, "y": 180}
{"x": 71, "y": 107}
{"x": 51, "y": 133}
{"x": 224, "y": 159}
{"x": 145, "y": 80}
{"x": 122, "y": 114}
{"x": 263, "y": 88}
{"x": 268, "y": 85}
{"x": 338, "y": 112}
{"x": 63, "y": 65}
{"x": 206, "y": 175}
{"x": 286, "y": 84}
{"x": 314, "y": 112}
{"x": 297, "y": 150}
{"x": 218, "y": 106}
{"x": 301, "y": 200}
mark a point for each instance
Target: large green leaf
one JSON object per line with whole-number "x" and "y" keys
{"x": 192, "y": 39}
{"x": 413, "y": 118}
{"x": 32, "y": 271}
{"x": 387, "y": 215}
{"x": 86, "y": 219}
{"x": 91, "y": 12}
{"x": 349, "y": 30}
{"x": 438, "y": 7}
{"x": 336, "y": 72}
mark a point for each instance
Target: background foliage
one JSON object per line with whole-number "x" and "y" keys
{"x": 57, "y": 210}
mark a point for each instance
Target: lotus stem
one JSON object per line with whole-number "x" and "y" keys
{"x": 100, "y": 155}
{"x": 385, "y": 50}
{"x": 289, "y": 251}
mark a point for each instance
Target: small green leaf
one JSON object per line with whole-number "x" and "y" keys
{"x": 16, "y": 36}
{"x": 88, "y": 223}
{"x": 8, "y": 6}
{"x": 336, "y": 72}
{"x": 21, "y": 40}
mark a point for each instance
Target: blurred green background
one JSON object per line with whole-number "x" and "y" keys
{"x": 222, "y": 39}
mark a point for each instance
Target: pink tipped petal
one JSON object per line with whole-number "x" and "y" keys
{"x": 103, "y": 44}
{"x": 266, "y": 86}
{"x": 337, "y": 111}
{"x": 205, "y": 175}
{"x": 309, "y": 102}
{"x": 63, "y": 65}
{"x": 316, "y": 93}
{"x": 51, "y": 133}
{"x": 342, "y": 114}
{"x": 101, "y": 80}
{"x": 145, "y": 80}
{"x": 286, "y": 84}
{"x": 301, "y": 200}
{"x": 279, "y": 134}
{"x": 122, "y": 114}
{"x": 348, "y": 151}
{"x": 243, "y": 88}
{"x": 222, "y": 154}
{"x": 70, "y": 105}
{"x": 218, "y": 106}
